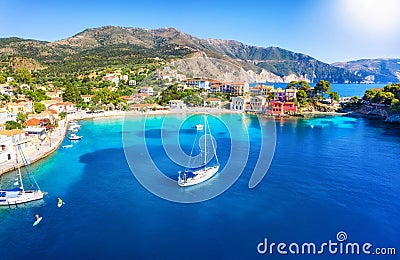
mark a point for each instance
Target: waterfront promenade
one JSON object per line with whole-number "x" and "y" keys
{"x": 55, "y": 138}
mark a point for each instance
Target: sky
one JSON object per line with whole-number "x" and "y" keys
{"x": 328, "y": 30}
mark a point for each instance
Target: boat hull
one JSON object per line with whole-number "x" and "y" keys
{"x": 23, "y": 197}
{"x": 200, "y": 176}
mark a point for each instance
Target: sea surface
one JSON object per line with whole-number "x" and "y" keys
{"x": 328, "y": 175}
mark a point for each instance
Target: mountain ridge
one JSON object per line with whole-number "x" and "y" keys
{"x": 116, "y": 44}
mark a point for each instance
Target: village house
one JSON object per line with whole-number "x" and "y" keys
{"x": 216, "y": 86}
{"x": 239, "y": 88}
{"x": 23, "y": 107}
{"x": 176, "y": 104}
{"x": 7, "y": 152}
{"x": 214, "y": 102}
{"x": 3, "y": 115}
{"x": 48, "y": 103}
{"x": 139, "y": 97}
{"x": 281, "y": 108}
{"x": 197, "y": 83}
{"x": 290, "y": 94}
{"x": 239, "y": 103}
{"x": 132, "y": 82}
{"x": 38, "y": 134}
{"x": 257, "y": 104}
{"x": 63, "y": 107}
{"x": 53, "y": 94}
{"x": 20, "y": 137}
{"x": 148, "y": 90}
{"x": 260, "y": 89}
{"x": 32, "y": 122}
{"x": 6, "y": 90}
{"x": 128, "y": 99}
{"x": 87, "y": 98}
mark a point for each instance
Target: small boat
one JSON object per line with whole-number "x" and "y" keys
{"x": 197, "y": 175}
{"x": 20, "y": 195}
{"x": 74, "y": 124}
{"x": 199, "y": 127}
{"x": 67, "y": 146}
{"x": 73, "y": 129}
{"x": 74, "y": 137}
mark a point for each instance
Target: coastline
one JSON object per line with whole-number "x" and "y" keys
{"x": 56, "y": 138}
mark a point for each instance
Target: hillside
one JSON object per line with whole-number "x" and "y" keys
{"x": 110, "y": 45}
{"x": 374, "y": 70}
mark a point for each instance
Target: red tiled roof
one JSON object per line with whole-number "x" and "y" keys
{"x": 32, "y": 122}
{"x": 54, "y": 112}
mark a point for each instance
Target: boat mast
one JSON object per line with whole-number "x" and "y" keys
{"x": 205, "y": 140}
{"x": 19, "y": 174}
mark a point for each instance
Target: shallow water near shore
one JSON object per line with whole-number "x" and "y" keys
{"x": 328, "y": 174}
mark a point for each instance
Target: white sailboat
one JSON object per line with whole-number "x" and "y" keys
{"x": 21, "y": 195}
{"x": 193, "y": 176}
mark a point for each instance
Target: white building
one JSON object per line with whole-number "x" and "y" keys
{"x": 7, "y": 152}
{"x": 63, "y": 107}
{"x": 87, "y": 98}
{"x": 257, "y": 104}
{"x": 238, "y": 103}
{"x": 148, "y": 90}
{"x": 176, "y": 104}
{"x": 3, "y": 115}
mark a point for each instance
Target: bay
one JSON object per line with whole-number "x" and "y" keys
{"x": 327, "y": 175}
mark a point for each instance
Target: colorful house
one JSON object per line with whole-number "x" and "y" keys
{"x": 281, "y": 108}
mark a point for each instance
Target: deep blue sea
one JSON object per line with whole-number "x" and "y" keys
{"x": 327, "y": 175}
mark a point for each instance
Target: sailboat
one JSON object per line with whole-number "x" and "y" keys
{"x": 21, "y": 195}
{"x": 193, "y": 176}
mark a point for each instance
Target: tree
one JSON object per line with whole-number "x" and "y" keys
{"x": 394, "y": 88}
{"x": 63, "y": 115}
{"x": 23, "y": 76}
{"x": 370, "y": 94}
{"x": 301, "y": 97}
{"x": 334, "y": 96}
{"x": 21, "y": 117}
{"x": 71, "y": 93}
{"x": 39, "y": 107}
{"x": 2, "y": 79}
{"x": 323, "y": 87}
{"x": 193, "y": 100}
{"x": 299, "y": 85}
{"x": 13, "y": 125}
{"x": 383, "y": 97}
{"x": 148, "y": 100}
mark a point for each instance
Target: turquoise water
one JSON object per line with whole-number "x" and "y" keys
{"x": 327, "y": 175}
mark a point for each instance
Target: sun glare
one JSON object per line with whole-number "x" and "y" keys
{"x": 372, "y": 17}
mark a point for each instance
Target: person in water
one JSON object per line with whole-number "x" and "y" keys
{"x": 37, "y": 216}
{"x": 60, "y": 201}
